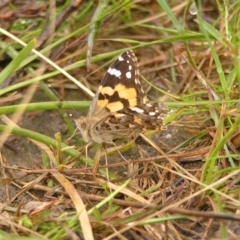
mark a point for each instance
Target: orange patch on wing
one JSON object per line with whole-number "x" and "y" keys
{"x": 128, "y": 93}
{"x": 107, "y": 90}
{"x": 115, "y": 106}
{"x": 125, "y": 92}
{"x": 132, "y": 102}
{"x": 102, "y": 103}
{"x": 120, "y": 87}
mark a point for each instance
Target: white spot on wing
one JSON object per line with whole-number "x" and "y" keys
{"x": 136, "y": 109}
{"x": 115, "y": 72}
{"x": 120, "y": 58}
{"x": 152, "y": 113}
{"x": 128, "y": 74}
{"x": 137, "y": 81}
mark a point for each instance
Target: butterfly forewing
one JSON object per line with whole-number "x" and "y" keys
{"x": 120, "y": 87}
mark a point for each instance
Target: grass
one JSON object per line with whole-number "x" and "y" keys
{"x": 191, "y": 62}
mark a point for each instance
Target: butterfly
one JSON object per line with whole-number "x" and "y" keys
{"x": 120, "y": 107}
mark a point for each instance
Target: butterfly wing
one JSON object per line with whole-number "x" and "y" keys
{"x": 120, "y": 88}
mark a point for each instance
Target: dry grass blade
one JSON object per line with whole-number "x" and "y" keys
{"x": 79, "y": 205}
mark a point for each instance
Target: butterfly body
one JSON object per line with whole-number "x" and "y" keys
{"x": 120, "y": 107}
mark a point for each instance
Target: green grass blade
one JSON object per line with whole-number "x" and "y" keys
{"x": 16, "y": 62}
{"x": 170, "y": 14}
